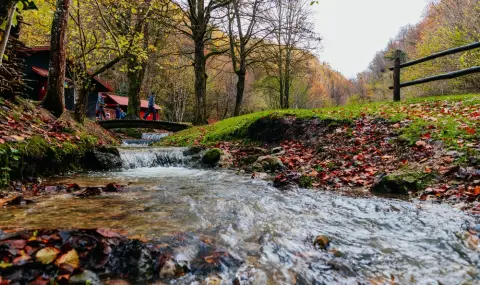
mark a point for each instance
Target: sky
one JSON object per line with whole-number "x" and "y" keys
{"x": 354, "y": 30}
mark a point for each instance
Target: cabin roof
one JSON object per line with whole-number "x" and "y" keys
{"x": 123, "y": 101}
{"x": 44, "y": 73}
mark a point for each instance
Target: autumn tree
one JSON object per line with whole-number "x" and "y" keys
{"x": 246, "y": 35}
{"x": 197, "y": 24}
{"x": 292, "y": 42}
{"x": 54, "y": 100}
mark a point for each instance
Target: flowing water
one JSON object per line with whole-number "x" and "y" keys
{"x": 270, "y": 231}
{"x": 147, "y": 138}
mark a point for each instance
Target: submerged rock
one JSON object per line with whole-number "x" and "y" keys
{"x": 212, "y": 156}
{"x": 402, "y": 183}
{"x": 322, "y": 242}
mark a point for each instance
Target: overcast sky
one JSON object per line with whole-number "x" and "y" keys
{"x": 353, "y": 30}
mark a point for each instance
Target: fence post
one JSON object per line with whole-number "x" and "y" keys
{"x": 396, "y": 76}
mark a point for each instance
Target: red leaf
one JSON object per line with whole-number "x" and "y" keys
{"x": 470, "y": 130}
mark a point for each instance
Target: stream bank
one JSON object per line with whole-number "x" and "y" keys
{"x": 33, "y": 143}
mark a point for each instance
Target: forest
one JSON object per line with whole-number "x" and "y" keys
{"x": 208, "y": 61}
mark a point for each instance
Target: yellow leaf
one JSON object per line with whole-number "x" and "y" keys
{"x": 47, "y": 255}
{"x": 70, "y": 258}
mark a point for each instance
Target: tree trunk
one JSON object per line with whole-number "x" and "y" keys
{"x": 55, "y": 99}
{"x": 240, "y": 92}
{"x": 135, "y": 77}
{"x": 200, "y": 84}
{"x": 6, "y": 33}
{"x": 81, "y": 104}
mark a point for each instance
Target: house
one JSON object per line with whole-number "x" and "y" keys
{"x": 36, "y": 76}
{"x": 112, "y": 100}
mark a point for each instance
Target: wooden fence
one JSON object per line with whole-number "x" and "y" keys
{"x": 397, "y": 85}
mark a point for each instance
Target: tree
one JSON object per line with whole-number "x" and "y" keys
{"x": 246, "y": 36}
{"x": 54, "y": 100}
{"x": 293, "y": 41}
{"x": 197, "y": 25}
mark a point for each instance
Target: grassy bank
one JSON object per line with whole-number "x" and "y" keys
{"x": 35, "y": 143}
{"x": 452, "y": 119}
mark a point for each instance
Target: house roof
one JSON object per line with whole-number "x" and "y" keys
{"x": 44, "y": 73}
{"x": 123, "y": 101}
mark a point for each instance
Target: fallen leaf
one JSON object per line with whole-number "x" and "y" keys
{"x": 47, "y": 255}
{"x": 476, "y": 192}
{"x": 70, "y": 259}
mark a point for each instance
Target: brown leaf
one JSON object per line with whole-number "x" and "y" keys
{"x": 70, "y": 259}
{"x": 47, "y": 255}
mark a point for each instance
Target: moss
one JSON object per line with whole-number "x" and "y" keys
{"x": 404, "y": 182}
{"x": 306, "y": 182}
{"x": 212, "y": 156}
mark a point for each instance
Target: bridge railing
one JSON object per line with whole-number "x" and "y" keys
{"x": 397, "y": 85}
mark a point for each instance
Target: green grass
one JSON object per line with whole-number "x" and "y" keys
{"x": 453, "y": 119}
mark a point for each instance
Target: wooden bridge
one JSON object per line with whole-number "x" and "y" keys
{"x": 143, "y": 124}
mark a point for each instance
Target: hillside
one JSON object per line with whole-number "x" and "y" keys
{"x": 425, "y": 147}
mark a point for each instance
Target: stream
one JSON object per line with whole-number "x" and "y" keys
{"x": 269, "y": 231}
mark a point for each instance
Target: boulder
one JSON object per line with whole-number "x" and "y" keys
{"x": 103, "y": 159}
{"x": 270, "y": 163}
{"x": 87, "y": 277}
{"x": 212, "y": 156}
{"x": 402, "y": 183}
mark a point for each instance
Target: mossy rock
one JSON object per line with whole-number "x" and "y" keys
{"x": 403, "y": 183}
{"x": 306, "y": 182}
{"x": 212, "y": 156}
{"x": 249, "y": 160}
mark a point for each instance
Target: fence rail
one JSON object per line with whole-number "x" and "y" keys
{"x": 397, "y": 85}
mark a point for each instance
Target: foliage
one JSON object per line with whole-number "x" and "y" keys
{"x": 446, "y": 24}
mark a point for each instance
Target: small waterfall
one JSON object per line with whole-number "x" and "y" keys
{"x": 153, "y": 157}
{"x": 147, "y": 138}
{"x": 154, "y": 136}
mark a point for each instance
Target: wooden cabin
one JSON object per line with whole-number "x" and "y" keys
{"x": 36, "y": 76}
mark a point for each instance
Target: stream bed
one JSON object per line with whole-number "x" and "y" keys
{"x": 269, "y": 231}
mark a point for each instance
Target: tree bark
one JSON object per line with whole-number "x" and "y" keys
{"x": 81, "y": 104}
{"x": 200, "y": 84}
{"x": 55, "y": 99}
{"x": 135, "y": 77}
{"x": 8, "y": 28}
{"x": 240, "y": 92}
